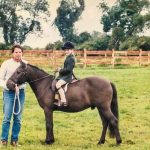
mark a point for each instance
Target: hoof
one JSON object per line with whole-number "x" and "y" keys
{"x": 100, "y": 142}
{"x": 49, "y": 142}
{"x": 119, "y": 142}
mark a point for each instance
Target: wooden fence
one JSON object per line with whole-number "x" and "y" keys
{"x": 54, "y": 58}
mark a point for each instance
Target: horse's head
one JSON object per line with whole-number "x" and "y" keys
{"x": 18, "y": 77}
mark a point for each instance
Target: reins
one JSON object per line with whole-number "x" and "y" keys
{"x": 17, "y": 96}
{"x": 39, "y": 79}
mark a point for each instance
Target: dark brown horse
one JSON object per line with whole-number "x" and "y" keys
{"x": 88, "y": 92}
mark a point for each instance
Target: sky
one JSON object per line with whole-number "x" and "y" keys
{"x": 89, "y": 21}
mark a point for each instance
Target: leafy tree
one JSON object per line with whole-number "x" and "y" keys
{"x": 144, "y": 43}
{"x": 4, "y": 46}
{"x": 96, "y": 34}
{"x": 96, "y": 43}
{"x": 26, "y": 47}
{"x": 13, "y": 22}
{"x": 117, "y": 36}
{"x": 126, "y": 16}
{"x": 129, "y": 44}
{"x": 58, "y": 45}
{"x": 50, "y": 46}
{"x": 67, "y": 14}
{"x": 84, "y": 36}
{"x": 102, "y": 43}
{"x": 54, "y": 46}
{"x": 135, "y": 43}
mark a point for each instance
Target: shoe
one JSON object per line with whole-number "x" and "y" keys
{"x": 3, "y": 143}
{"x": 15, "y": 144}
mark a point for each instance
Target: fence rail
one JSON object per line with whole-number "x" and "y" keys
{"x": 54, "y": 58}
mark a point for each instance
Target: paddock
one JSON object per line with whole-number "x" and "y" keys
{"x": 73, "y": 131}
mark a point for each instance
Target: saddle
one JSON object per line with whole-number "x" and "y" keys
{"x": 55, "y": 90}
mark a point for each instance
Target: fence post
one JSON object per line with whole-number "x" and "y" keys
{"x": 53, "y": 60}
{"x": 140, "y": 57}
{"x": 85, "y": 59}
{"x": 113, "y": 58}
{"x": 49, "y": 57}
{"x": 148, "y": 57}
{"x": 106, "y": 53}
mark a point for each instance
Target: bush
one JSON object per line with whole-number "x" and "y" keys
{"x": 135, "y": 43}
{"x": 4, "y": 46}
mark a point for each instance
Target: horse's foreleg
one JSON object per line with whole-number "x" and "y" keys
{"x": 49, "y": 126}
{"x": 105, "y": 125}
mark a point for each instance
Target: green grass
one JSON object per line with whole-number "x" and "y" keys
{"x": 79, "y": 131}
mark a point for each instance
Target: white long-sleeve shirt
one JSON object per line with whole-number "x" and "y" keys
{"x": 8, "y": 67}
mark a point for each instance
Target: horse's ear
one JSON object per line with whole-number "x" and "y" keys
{"x": 23, "y": 64}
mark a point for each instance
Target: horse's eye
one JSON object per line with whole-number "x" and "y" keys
{"x": 18, "y": 71}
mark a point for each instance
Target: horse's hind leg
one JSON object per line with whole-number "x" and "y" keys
{"x": 105, "y": 125}
{"x": 112, "y": 120}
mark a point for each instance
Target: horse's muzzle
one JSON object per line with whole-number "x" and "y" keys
{"x": 10, "y": 84}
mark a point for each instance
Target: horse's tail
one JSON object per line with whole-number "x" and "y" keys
{"x": 114, "y": 109}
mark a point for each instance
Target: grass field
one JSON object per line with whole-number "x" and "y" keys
{"x": 79, "y": 131}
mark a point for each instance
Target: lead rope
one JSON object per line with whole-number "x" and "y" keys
{"x": 15, "y": 100}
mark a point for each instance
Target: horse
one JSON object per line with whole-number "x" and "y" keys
{"x": 90, "y": 92}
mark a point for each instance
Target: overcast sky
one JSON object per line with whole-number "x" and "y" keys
{"x": 89, "y": 21}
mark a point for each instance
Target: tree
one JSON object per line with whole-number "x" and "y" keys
{"x": 129, "y": 16}
{"x": 50, "y": 46}
{"x": 13, "y": 23}
{"x": 117, "y": 36}
{"x": 67, "y": 14}
{"x": 4, "y": 46}
{"x": 84, "y": 36}
{"x": 135, "y": 43}
{"x": 95, "y": 43}
{"x": 58, "y": 45}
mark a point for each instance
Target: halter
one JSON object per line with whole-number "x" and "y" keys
{"x": 25, "y": 72}
{"x": 38, "y": 79}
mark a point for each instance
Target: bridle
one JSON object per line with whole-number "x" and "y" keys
{"x": 32, "y": 81}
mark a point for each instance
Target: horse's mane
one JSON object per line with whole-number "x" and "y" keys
{"x": 39, "y": 70}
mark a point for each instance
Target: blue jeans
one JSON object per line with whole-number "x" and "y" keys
{"x": 8, "y": 100}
